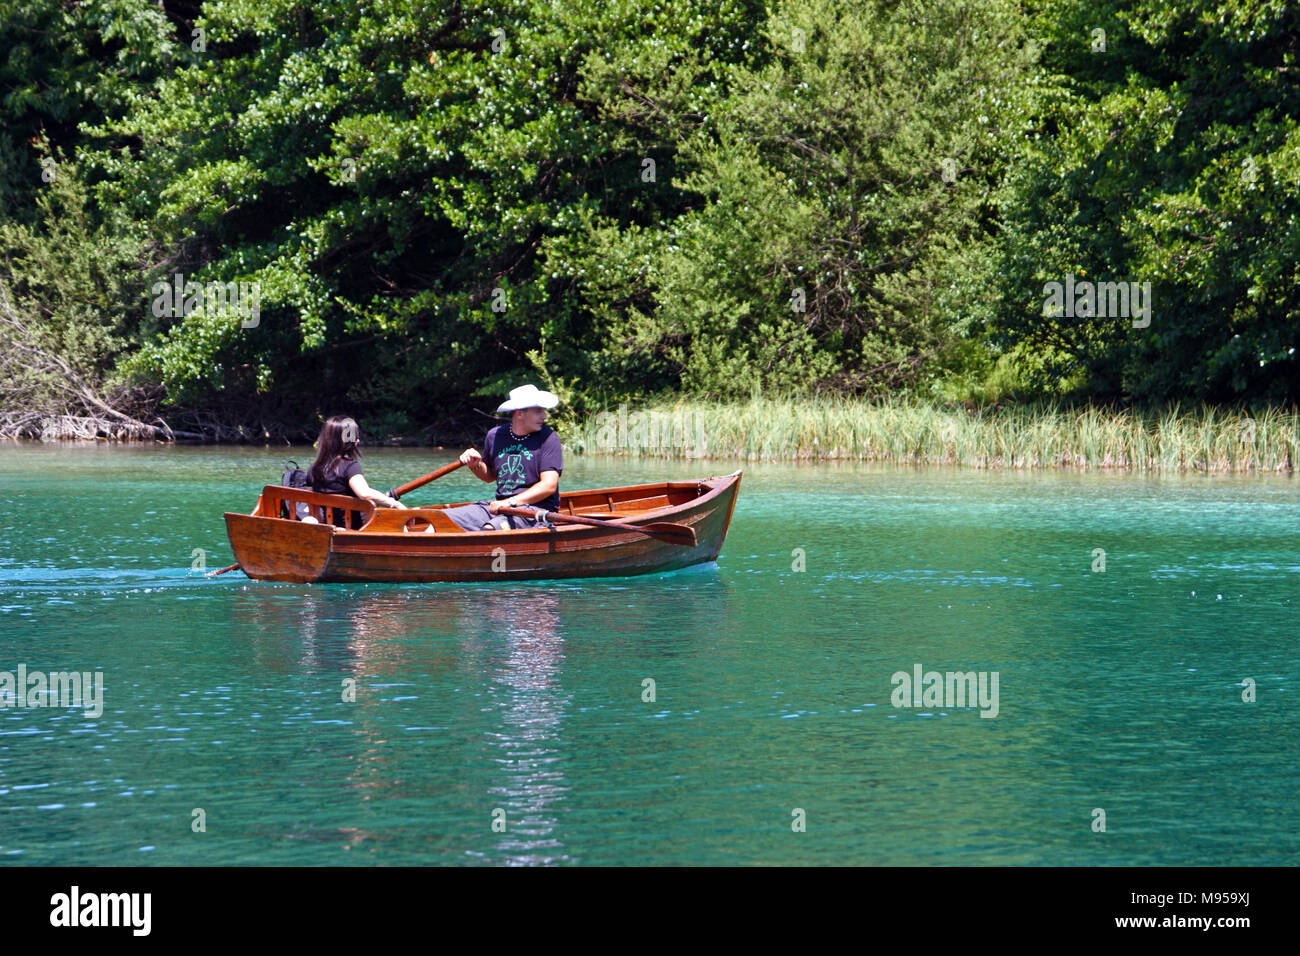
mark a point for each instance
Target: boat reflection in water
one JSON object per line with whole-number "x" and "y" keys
{"x": 527, "y": 690}
{"x": 457, "y": 701}
{"x": 508, "y": 644}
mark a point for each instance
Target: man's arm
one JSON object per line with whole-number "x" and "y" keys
{"x": 481, "y": 468}
{"x": 548, "y": 483}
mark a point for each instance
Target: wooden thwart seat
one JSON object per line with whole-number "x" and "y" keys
{"x": 412, "y": 520}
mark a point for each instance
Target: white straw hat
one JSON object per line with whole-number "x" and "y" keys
{"x": 528, "y": 396}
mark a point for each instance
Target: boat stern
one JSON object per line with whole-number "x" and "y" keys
{"x": 276, "y": 549}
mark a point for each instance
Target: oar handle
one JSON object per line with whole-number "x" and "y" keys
{"x": 535, "y": 514}
{"x": 555, "y": 517}
{"x": 421, "y": 482}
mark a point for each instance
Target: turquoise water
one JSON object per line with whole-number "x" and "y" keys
{"x": 1119, "y": 690}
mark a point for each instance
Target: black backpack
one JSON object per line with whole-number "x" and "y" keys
{"x": 295, "y": 477}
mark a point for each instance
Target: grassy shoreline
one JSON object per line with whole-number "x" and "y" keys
{"x": 1031, "y": 436}
{"x": 1205, "y": 439}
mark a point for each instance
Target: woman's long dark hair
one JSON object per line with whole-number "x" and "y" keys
{"x": 330, "y": 447}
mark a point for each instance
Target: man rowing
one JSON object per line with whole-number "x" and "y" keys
{"x": 523, "y": 457}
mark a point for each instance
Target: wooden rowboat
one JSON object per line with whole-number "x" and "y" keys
{"x": 423, "y": 544}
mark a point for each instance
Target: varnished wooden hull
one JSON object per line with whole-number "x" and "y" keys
{"x": 278, "y": 549}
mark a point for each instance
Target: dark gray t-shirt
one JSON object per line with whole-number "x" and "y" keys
{"x": 519, "y": 463}
{"x": 336, "y": 483}
{"x": 337, "y": 478}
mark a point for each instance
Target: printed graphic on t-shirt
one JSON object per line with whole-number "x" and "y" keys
{"x": 510, "y": 468}
{"x": 512, "y": 462}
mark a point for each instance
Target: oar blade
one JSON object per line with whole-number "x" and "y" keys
{"x": 672, "y": 533}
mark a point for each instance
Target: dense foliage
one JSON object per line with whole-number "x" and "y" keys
{"x": 435, "y": 199}
{"x": 1167, "y": 151}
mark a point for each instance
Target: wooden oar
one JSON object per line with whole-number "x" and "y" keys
{"x": 662, "y": 530}
{"x": 213, "y": 574}
{"x": 421, "y": 482}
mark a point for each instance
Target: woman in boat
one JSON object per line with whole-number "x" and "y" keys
{"x": 337, "y": 468}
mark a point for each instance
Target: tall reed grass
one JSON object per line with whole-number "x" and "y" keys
{"x": 1040, "y": 436}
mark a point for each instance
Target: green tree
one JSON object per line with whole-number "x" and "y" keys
{"x": 840, "y": 190}
{"x": 67, "y": 285}
{"x": 389, "y": 176}
{"x": 65, "y": 64}
{"x": 1167, "y": 151}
